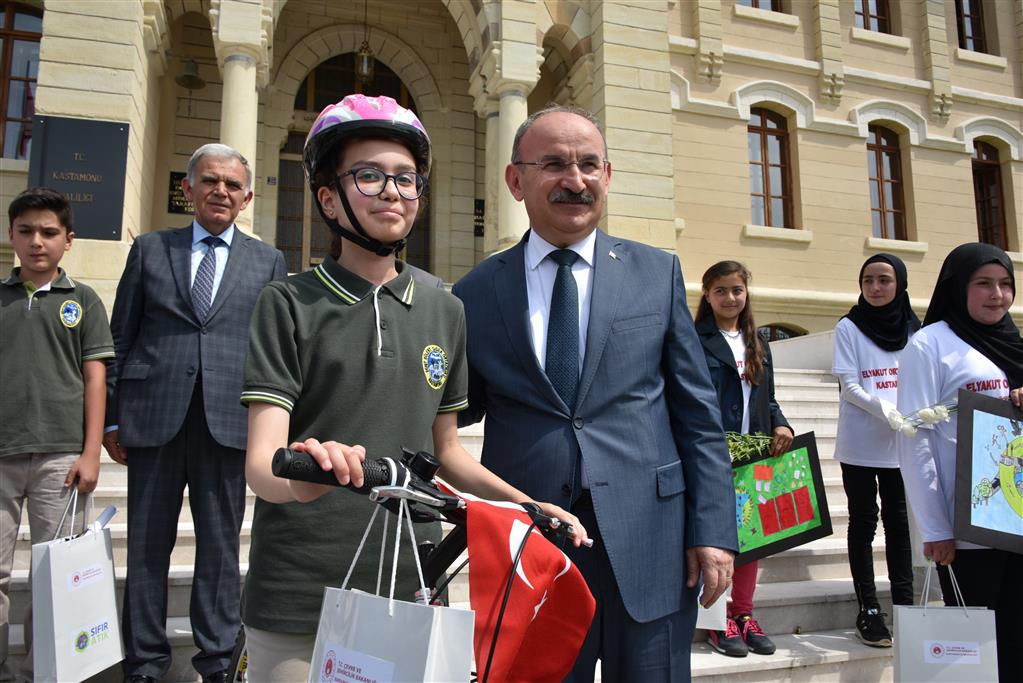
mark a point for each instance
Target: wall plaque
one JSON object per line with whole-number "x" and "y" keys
{"x": 85, "y": 160}
{"x": 176, "y": 201}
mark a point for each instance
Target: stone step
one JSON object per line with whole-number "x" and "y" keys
{"x": 825, "y": 558}
{"x": 183, "y": 553}
{"x": 820, "y": 656}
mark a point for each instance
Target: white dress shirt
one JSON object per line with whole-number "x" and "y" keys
{"x": 540, "y": 274}
{"x": 199, "y": 249}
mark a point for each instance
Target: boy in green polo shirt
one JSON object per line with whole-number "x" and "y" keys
{"x": 350, "y": 359}
{"x": 54, "y": 339}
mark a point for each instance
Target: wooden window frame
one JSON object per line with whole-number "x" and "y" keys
{"x": 7, "y": 36}
{"x": 881, "y": 21}
{"x": 767, "y": 192}
{"x": 875, "y": 156}
{"x": 974, "y": 39}
{"x": 771, "y": 5}
{"x": 987, "y": 173}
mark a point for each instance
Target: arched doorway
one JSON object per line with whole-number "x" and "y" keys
{"x": 302, "y": 235}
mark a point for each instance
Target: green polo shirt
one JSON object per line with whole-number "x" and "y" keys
{"x": 45, "y": 337}
{"x": 358, "y": 365}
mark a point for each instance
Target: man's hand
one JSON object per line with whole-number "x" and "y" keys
{"x": 941, "y": 552}
{"x": 345, "y": 460}
{"x": 113, "y": 446}
{"x": 716, "y": 566}
{"x": 86, "y": 470}
{"x": 1016, "y": 396}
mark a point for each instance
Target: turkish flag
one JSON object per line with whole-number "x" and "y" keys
{"x": 549, "y": 607}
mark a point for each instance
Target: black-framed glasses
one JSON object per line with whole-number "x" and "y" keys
{"x": 589, "y": 167}
{"x": 372, "y": 181}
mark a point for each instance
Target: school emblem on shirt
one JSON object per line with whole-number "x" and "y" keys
{"x": 70, "y": 313}
{"x": 435, "y": 366}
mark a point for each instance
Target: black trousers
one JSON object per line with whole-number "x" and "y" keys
{"x": 862, "y": 485}
{"x": 993, "y": 579}
{"x": 157, "y": 477}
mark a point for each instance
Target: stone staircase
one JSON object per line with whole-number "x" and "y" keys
{"x": 805, "y": 599}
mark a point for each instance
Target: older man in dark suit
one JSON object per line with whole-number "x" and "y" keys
{"x": 584, "y": 359}
{"x": 180, "y": 324}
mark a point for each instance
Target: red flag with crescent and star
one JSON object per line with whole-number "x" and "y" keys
{"x": 549, "y": 608}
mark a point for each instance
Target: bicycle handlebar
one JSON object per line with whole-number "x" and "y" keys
{"x": 300, "y": 466}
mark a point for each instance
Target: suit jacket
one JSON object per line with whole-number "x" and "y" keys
{"x": 162, "y": 347}
{"x": 645, "y": 423}
{"x": 765, "y": 413}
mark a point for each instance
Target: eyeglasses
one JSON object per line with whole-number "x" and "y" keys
{"x": 590, "y": 167}
{"x": 371, "y": 182}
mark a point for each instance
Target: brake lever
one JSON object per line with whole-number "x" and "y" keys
{"x": 384, "y": 492}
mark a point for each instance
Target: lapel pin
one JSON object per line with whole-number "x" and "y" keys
{"x": 612, "y": 254}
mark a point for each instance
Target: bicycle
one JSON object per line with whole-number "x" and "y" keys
{"x": 387, "y": 481}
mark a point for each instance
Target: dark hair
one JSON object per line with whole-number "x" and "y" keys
{"x": 754, "y": 347}
{"x": 41, "y": 199}
{"x": 553, "y": 108}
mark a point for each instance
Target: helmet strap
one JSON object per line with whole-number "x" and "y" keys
{"x": 360, "y": 237}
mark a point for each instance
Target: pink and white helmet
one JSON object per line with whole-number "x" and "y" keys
{"x": 359, "y": 116}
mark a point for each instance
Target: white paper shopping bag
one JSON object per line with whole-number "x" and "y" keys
{"x": 364, "y": 638}
{"x": 954, "y": 644}
{"x": 75, "y": 631}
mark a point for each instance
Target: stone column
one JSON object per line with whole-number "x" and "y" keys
{"x": 493, "y": 180}
{"x": 512, "y": 221}
{"x": 239, "y": 114}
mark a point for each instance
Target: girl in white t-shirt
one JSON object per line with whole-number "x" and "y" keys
{"x": 868, "y": 341}
{"x": 968, "y": 342}
{"x": 740, "y": 366}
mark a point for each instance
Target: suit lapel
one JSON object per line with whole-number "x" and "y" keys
{"x": 180, "y": 245}
{"x": 233, "y": 271}
{"x": 510, "y": 294}
{"x": 608, "y": 276}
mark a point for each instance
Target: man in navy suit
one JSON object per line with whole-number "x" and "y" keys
{"x": 181, "y": 325}
{"x": 584, "y": 359}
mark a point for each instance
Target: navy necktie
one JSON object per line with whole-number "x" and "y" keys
{"x": 202, "y": 286}
{"x": 562, "y": 360}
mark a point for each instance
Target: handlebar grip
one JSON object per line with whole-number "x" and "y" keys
{"x": 300, "y": 466}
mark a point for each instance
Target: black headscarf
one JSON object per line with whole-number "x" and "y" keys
{"x": 1000, "y": 342}
{"x": 888, "y": 326}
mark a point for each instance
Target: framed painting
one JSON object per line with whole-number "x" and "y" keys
{"x": 989, "y": 472}
{"x": 779, "y": 500}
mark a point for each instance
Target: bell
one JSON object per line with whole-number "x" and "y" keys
{"x": 189, "y": 77}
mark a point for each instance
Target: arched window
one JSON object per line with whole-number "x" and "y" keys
{"x": 21, "y": 28}
{"x": 987, "y": 192}
{"x": 887, "y": 206}
{"x": 776, "y": 332}
{"x": 770, "y": 170}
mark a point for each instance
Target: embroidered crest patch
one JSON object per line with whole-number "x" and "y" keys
{"x": 435, "y": 366}
{"x": 70, "y": 313}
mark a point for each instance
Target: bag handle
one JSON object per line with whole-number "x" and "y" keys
{"x": 72, "y": 505}
{"x": 961, "y": 602}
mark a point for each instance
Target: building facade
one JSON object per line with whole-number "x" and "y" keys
{"x": 798, "y": 136}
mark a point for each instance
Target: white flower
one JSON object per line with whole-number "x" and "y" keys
{"x": 941, "y": 412}
{"x": 895, "y": 420}
{"x": 908, "y": 429}
{"x": 928, "y": 415}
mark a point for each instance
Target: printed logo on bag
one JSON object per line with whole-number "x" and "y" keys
{"x": 348, "y": 666}
{"x": 83, "y": 577}
{"x": 91, "y": 635}
{"x": 70, "y": 313}
{"x": 435, "y": 366}
{"x": 951, "y": 652}
{"x": 327, "y": 670}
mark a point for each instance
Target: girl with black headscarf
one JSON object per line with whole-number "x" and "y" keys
{"x": 868, "y": 342}
{"x": 968, "y": 342}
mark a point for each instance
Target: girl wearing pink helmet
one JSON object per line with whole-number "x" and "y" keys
{"x": 350, "y": 359}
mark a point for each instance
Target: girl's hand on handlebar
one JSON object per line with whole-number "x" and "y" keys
{"x": 345, "y": 460}
{"x": 579, "y": 536}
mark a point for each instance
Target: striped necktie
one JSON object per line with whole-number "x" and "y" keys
{"x": 202, "y": 287}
